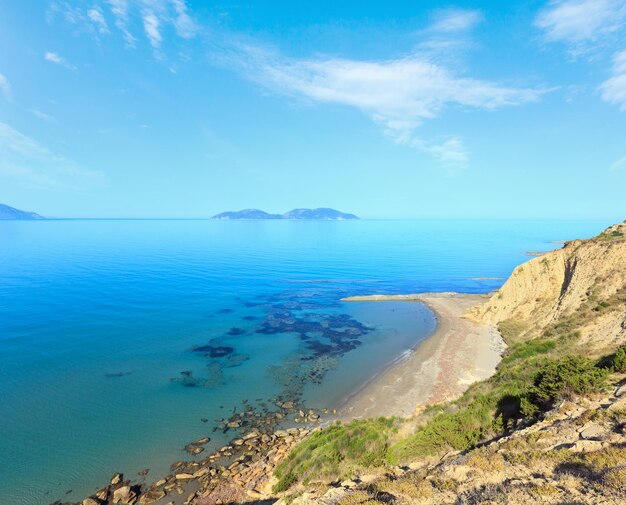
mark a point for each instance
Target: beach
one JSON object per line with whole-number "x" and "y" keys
{"x": 440, "y": 368}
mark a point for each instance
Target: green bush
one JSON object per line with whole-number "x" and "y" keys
{"x": 565, "y": 378}
{"x": 336, "y": 451}
{"x": 618, "y": 360}
{"x": 457, "y": 430}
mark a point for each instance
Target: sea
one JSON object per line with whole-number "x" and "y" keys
{"x": 123, "y": 340}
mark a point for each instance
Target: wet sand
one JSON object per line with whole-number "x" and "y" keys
{"x": 459, "y": 353}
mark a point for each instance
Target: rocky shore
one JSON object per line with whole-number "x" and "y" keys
{"x": 238, "y": 472}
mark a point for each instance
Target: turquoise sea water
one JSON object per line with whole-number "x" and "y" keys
{"x": 121, "y": 341}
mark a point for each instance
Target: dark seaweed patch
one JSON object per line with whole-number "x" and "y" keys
{"x": 235, "y": 331}
{"x": 214, "y": 351}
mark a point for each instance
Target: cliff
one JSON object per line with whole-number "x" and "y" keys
{"x": 582, "y": 285}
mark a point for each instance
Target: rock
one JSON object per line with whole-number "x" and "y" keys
{"x": 143, "y": 472}
{"x": 592, "y": 432}
{"x": 201, "y": 473}
{"x": 348, "y": 484}
{"x": 151, "y": 496}
{"x": 91, "y": 501}
{"x": 621, "y": 390}
{"x": 193, "y": 449}
{"x": 184, "y": 476}
{"x": 123, "y": 495}
{"x": 116, "y": 479}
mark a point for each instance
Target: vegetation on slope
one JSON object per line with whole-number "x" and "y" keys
{"x": 539, "y": 370}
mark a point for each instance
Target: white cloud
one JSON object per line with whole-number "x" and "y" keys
{"x": 614, "y": 89}
{"x": 398, "y": 94}
{"x": 57, "y": 60}
{"x": 579, "y": 22}
{"x": 5, "y": 87}
{"x": 119, "y": 9}
{"x": 184, "y": 24}
{"x": 619, "y": 165}
{"x": 95, "y": 14}
{"x": 35, "y": 166}
{"x": 151, "y": 27}
{"x": 53, "y": 57}
{"x": 455, "y": 20}
{"x": 45, "y": 117}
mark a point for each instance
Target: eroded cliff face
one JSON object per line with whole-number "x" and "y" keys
{"x": 582, "y": 283}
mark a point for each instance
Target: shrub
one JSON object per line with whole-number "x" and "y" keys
{"x": 336, "y": 451}
{"x": 619, "y": 360}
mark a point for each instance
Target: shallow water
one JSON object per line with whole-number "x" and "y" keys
{"x": 99, "y": 318}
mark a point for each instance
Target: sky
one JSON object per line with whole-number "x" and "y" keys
{"x": 395, "y": 109}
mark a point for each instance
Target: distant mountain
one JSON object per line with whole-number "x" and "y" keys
{"x": 247, "y": 214}
{"x": 323, "y": 214}
{"x": 7, "y": 212}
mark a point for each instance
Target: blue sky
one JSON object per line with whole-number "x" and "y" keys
{"x": 181, "y": 108}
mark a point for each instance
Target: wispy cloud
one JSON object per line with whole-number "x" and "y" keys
{"x": 614, "y": 89}
{"x": 95, "y": 14}
{"x": 119, "y": 9}
{"x": 455, "y": 20}
{"x": 154, "y": 16}
{"x": 619, "y": 165}
{"x": 57, "y": 60}
{"x": 43, "y": 116}
{"x": 398, "y": 94}
{"x": 151, "y": 27}
{"x": 5, "y": 87}
{"x": 35, "y": 166}
{"x": 581, "y": 23}
{"x": 185, "y": 26}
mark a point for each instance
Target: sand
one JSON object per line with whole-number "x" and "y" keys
{"x": 459, "y": 353}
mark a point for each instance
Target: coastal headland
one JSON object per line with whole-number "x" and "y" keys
{"x": 542, "y": 416}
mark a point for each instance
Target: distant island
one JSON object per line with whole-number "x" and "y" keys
{"x": 7, "y": 212}
{"x": 320, "y": 214}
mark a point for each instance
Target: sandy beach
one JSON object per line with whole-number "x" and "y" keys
{"x": 459, "y": 353}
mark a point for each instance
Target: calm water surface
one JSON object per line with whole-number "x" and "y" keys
{"x": 118, "y": 337}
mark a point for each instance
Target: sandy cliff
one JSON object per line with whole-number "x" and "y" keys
{"x": 584, "y": 281}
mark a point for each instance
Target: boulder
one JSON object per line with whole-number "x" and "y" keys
{"x": 116, "y": 479}
{"x": 592, "y": 432}
{"x": 124, "y": 495}
{"x": 91, "y": 501}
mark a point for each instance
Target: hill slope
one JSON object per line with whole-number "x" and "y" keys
{"x": 7, "y": 212}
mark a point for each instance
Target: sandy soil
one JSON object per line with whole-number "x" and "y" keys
{"x": 440, "y": 368}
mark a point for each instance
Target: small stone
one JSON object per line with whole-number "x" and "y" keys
{"x": 90, "y": 501}
{"x": 184, "y": 476}
{"x": 621, "y": 390}
{"x": 116, "y": 479}
{"x": 193, "y": 449}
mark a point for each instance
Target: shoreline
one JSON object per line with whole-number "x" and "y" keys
{"x": 439, "y": 368}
